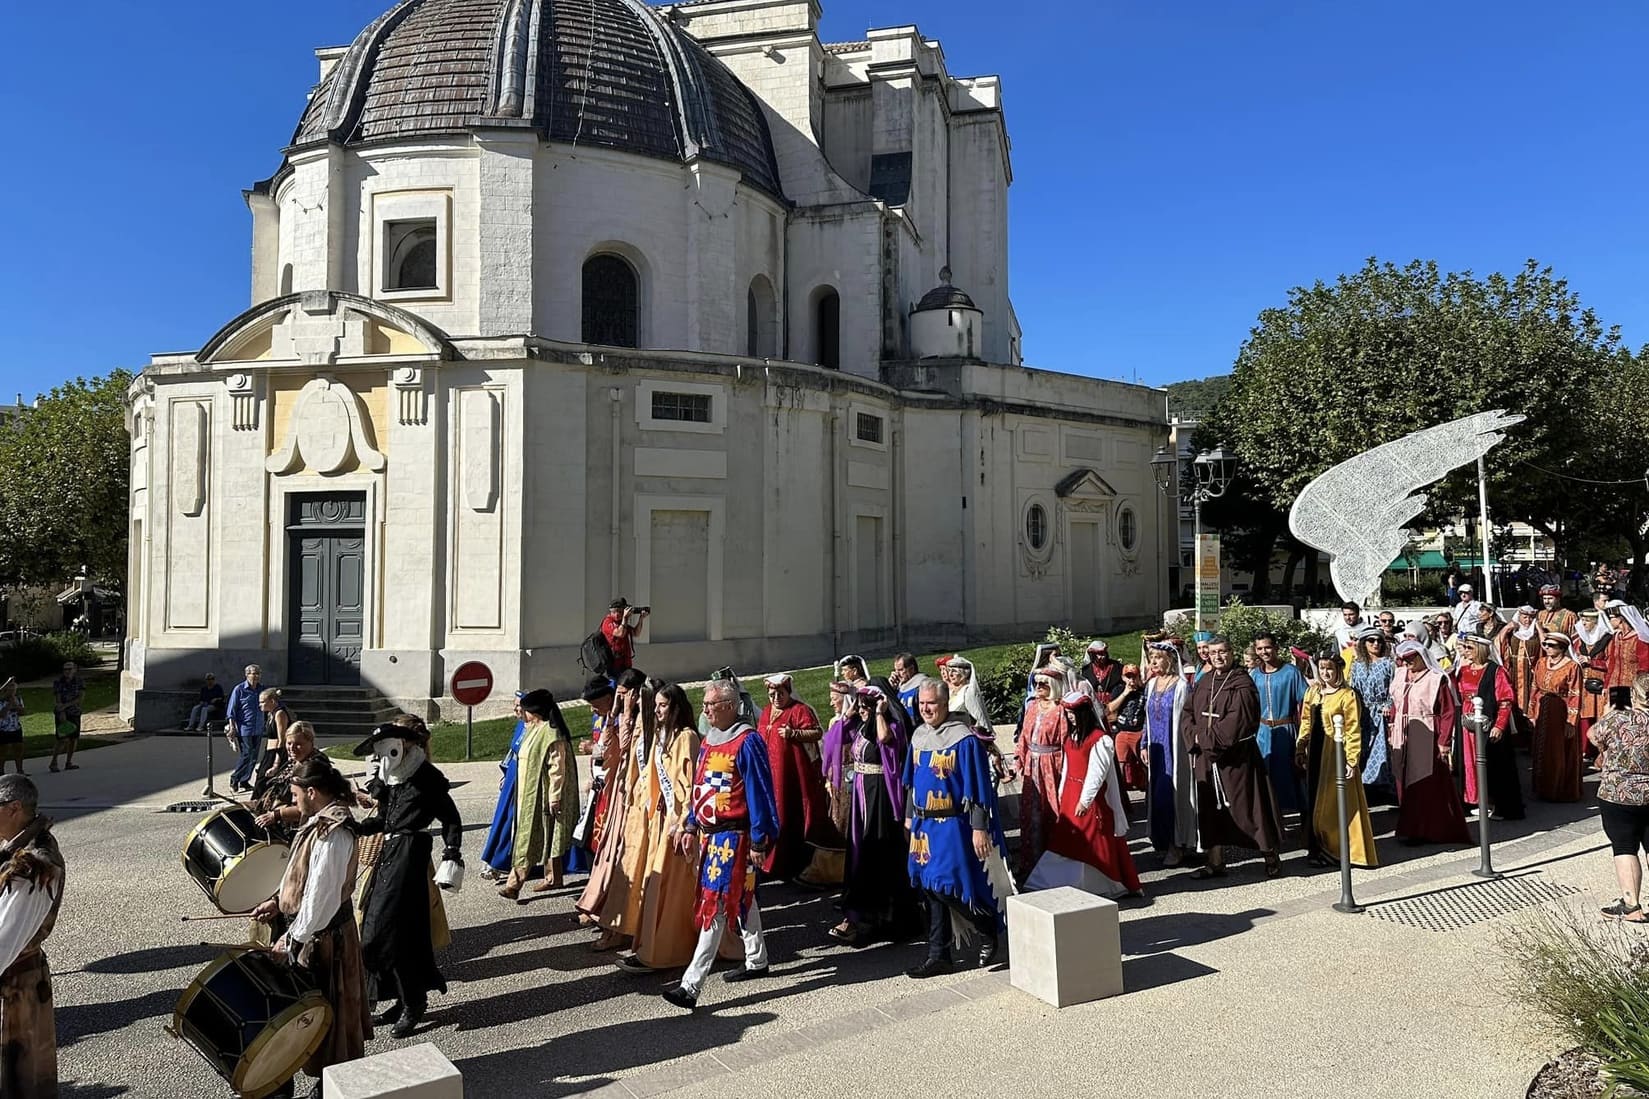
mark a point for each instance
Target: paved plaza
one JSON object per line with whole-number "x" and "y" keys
{"x": 1243, "y": 987}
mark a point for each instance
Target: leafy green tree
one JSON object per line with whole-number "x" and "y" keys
{"x": 1197, "y": 396}
{"x": 64, "y": 469}
{"x": 1389, "y": 350}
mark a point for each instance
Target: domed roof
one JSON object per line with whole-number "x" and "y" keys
{"x": 944, "y": 297}
{"x": 614, "y": 73}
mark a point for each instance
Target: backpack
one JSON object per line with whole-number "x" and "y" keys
{"x": 595, "y": 656}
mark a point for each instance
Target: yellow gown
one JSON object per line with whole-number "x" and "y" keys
{"x": 1325, "y": 815}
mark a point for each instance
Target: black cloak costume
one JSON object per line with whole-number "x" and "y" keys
{"x": 395, "y": 910}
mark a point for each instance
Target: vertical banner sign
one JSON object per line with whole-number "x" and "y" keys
{"x": 1208, "y": 576}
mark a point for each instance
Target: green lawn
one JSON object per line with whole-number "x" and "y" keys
{"x": 39, "y": 736}
{"x": 492, "y": 738}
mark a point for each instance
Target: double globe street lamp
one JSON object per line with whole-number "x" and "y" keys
{"x": 1211, "y": 473}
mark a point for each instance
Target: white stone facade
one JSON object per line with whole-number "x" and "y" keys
{"x": 493, "y": 480}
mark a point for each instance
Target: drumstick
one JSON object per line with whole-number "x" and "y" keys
{"x": 239, "y": 946}
{"x": 225, "y": 916}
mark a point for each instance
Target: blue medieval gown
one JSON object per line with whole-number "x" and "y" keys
{"x": 499, "y": 850}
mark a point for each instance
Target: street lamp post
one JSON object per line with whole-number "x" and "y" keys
{"x": 1211, "y": 473}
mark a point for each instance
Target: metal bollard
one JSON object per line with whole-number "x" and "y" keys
{"x": 1485, "y": 868}
{"x": 210, "y": 767}
{"x": 1346, "y": 903}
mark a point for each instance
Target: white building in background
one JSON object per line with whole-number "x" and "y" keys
{"x": 556, "y": 302}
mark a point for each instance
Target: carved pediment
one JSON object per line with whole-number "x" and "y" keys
{"x": 323, "y": 328}
{"x": 1083, "y": 484}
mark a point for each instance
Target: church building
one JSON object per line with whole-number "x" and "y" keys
{"x": 554, "y": 301}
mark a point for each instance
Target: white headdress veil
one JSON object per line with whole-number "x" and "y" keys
{"x": 1633, "y": 616}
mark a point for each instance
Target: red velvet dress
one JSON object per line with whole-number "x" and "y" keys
{"x": 798, "y": 790}
{"x": 1091, "y": 837}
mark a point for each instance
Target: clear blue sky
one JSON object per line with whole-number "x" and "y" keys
{"x": 1178, "y": 166}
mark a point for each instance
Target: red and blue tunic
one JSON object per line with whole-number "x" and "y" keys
{"x": 732, "y": 808}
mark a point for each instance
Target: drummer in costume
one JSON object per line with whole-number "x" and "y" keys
{"x": 956, "y": 843}
{"x": 31, "y": 891}
{"x": 731, "y": 823}
{"x": 396, "y": 905}
{"x": 313, "y": 904}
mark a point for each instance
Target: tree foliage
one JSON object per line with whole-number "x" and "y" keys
{"x": 1388, "y": 350}
{"x": 1198, "y": 395}
{"x": 64, "y": 469}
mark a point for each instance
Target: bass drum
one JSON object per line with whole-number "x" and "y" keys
{"x": 233, "y": 860}
{"x": 256, "y": 1020}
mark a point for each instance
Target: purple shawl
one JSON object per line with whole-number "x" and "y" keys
{"x": 833, "y": 750}
{"x": 893, "y": 768}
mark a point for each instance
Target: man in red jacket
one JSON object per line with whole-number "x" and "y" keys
{"x": 619, "y": 628}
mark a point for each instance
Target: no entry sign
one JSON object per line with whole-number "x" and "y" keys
{"x": 471, "y": 683}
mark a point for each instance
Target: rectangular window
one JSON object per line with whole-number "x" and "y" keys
{"x": 410, "y": 255}
{"x": 692, "y": 408}
{"x": 868, "y": 428}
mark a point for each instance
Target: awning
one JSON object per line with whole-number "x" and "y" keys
{"x": 73, "y": 594}
{"x": 1432, "y": 559}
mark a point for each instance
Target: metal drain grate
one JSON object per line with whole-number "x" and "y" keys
{"x": 1464, "y": 905}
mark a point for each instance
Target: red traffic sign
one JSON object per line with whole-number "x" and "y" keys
{"x": 471, "y": 683}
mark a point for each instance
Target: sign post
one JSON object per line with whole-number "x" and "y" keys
{"x": 471, "y": 685}
{"x": 1208, "y": 578}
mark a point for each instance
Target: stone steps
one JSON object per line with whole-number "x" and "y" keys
{"x": 341, "y": 712}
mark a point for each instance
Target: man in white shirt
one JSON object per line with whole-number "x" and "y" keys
{"x": 31, "y": 890}
{"x": 1466, "y": 612}
{"x": 1352, "y": 616}
{"x": 313, "y": 903}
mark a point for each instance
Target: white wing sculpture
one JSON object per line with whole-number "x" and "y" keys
{"x": 1356, "y": 511}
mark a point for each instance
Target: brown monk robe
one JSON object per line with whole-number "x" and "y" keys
{"x": 31, "y": 891}
{"x": 1235, "y": 802}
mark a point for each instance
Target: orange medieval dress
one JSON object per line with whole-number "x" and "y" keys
{"x": 1555, "y": 698}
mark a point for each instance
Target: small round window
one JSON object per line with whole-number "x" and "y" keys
{"x": 1128, "y": 528}
{"x": 1036, "y": 526}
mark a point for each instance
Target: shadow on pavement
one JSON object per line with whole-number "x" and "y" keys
{"x": 154, "y": 959}
{"x": 1162, "y": 934}
{"x": 85, "y": 1020}
{"x": 68, "y": 1089}
{"x": 1157, "y": 970}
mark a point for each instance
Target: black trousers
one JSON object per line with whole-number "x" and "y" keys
{"x": 942, "y": 913}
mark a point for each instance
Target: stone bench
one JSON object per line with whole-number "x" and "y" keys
{"x": 416, "y": 1072}
{"x": 1064, "y": 946}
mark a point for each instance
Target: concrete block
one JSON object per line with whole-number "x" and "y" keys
{"x": 416, "y": 1072}
{"x": 1064, "y": 946}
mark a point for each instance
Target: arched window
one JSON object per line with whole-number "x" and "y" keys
{"x": 827, "y": 330}
{"x": 411, "y": 255}
{"x": 761, "y": 337}
{"x": 612, "y": 297}
{"x": 286, "y": 280}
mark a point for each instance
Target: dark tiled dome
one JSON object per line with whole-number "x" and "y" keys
{"x": 613, "y": 73}
{"x": 944, "y": 297}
